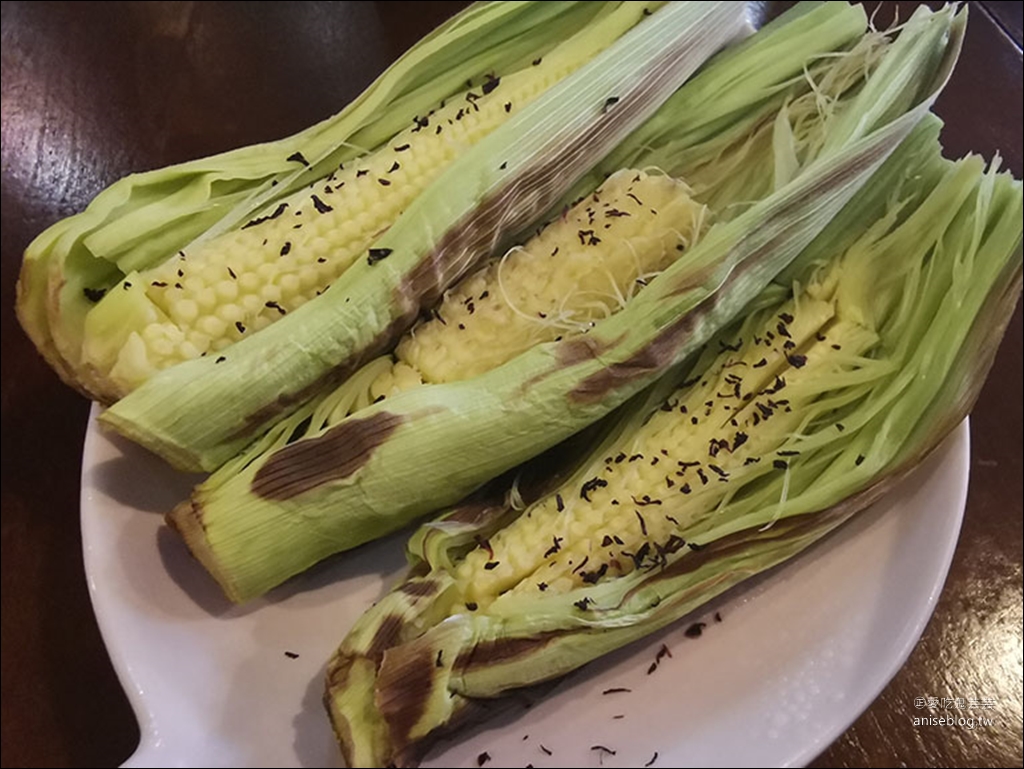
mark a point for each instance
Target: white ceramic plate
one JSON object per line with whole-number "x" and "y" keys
{"x": 798, "y": 655}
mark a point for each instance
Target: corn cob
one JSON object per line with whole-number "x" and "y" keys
{"x": 702, "y": 484}
{"x": 207, "y": 297}
{"x": 192, "y": 413}
{"x": 341, "y": 475}
{"x": 583, "y": 267}
{"x": 137, "y": 222}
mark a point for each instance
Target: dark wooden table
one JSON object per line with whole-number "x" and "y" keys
{"x": 93, "y": 91}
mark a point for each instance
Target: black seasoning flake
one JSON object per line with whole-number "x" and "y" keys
{"x": 859, "y": 460}
{"x": 548, "y": 752}
{"x": 785, "y": 317}
{"x": 384, "y": 182}
{"x": 685, "y": 488}
{"x": 783, "y": 331}
{"x": 177, "y": 285}
{"x": 320, "y": 206}
{"x": 471, "y": 605}
{"x": 286, "y": 248}
{"x": 695, "y": 630}
{"x": 535, "y": 63}
{"x": 321, "y": 260}
{"x": 840, "y": 426}
{"x": 491, "y": 565}
{"x": 126, "y": 285}
{"x": 616, "y": 690}
{"x": 581, "y": 564}
{"x": 231, "y": 273}
{"x": 483, "y": 758}
{"x": 95, "y": 294}
{"x": 276, "y": 306}
{"x": 508, "y": 106}
{"x": 401, "y": 148}
{"x": 555, "y": 547}
{"x": 394, "y": 167}
{"x": 490, "y": 84}
{"x": 796, "y": 360}
{"x": 377, "y": 254}
{"x": 462, "y": 327}
{"x": 694, "y": 546}
{"x": 438, "y": 129}
{"x": 780, "y": 464}
{"x": 652, "y": 668}
{"x": 297, "y": 157}
{"x": 220, "y": 359}
{"x": 240, "y": 326}
{"x": 718, "y": 616}
{"x": 837, "y": 347}
{"x": 559, "y": 504}
{"x": 655, "y": 756}
{"x": 721, "y": 473}
{"x": 702, "y": 476}
{"x": 603, "y": 749}
{"x": 503, "y": 166}
{"x": 582, "y": 604}
{"x": 161, "y": 284}
{"x": 617, "y": 540}
{"x": 291, "y": 655}
{"x": 361, "y": 172}
{"x": 643, "y": 523}
{"x": 788, "y": 453}
{"x": 609, "y": 102}
{"x": 592, "y": 485}
{"x": 542, "y": 586}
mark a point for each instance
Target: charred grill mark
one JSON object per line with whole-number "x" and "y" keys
{"x": 405, "y": 685}
{"x": 385, "y": 637}
{"x": 421, "y": 588}
{"x": 337, "y": 453}
{"x": 502, "y": 650}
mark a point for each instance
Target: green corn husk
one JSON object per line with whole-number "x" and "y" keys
{"x": 892, "y": 343}
{"x": 352, "y": 480}
{"x": 139, "y": 221}
{"x": 200, "y": 413}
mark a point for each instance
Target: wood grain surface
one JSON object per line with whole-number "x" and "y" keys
{"x": 93, "y": 91}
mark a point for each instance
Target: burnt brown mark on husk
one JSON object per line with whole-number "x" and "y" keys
{"x": 385, "y": 637}
{"x": 660, "y": 352}
{"x": 337, "y": 453}
{"x": 502, "y": 650}
{"x": 420, "y": 588}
